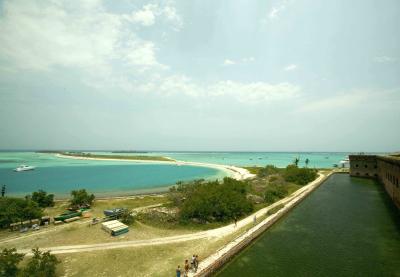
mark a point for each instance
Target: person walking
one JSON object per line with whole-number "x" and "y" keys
{"x": 178, "y": 271}
{"x": 196, "y": 263}
{"x": 186, "y": 269}
{"x": 235, "y": 222}
{"x": 192, "y": 261}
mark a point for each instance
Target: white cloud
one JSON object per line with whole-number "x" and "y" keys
{"x": 229, "y": 62}
{"x": 241, "y": 61}
{"x": 351, "y": 99}
{"x": 148, "y": 14}
{"x": 254, "y": 92}
{"x": 384, "y": 59}
{"x": 251, "y": 92}
{"x": 145, "y": 16}
{"x": 276, "y": 10}
{"x": 41, "y": 36}
{"x": 290, "y": 67}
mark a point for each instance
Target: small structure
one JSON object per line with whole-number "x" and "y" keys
{"x": 114, "y": 227}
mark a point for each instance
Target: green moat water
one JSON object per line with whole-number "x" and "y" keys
{"x": 347, "y": 227}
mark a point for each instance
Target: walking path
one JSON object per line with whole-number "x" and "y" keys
{"x": 218, "y": 232}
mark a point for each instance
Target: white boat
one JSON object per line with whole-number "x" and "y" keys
{"x": 24, "y": 168}
{"x": 345, "y": 162}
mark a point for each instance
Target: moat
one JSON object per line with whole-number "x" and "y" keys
{"x": 347, "y": 227}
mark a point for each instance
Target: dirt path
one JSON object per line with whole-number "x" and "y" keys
{"x": 214, "y": 233}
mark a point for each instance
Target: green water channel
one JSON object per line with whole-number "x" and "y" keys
{"x": 347, "y": 227}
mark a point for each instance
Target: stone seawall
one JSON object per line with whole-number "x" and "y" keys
{"x": 214, "y": 262}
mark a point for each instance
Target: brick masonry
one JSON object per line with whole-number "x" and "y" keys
{"x": 386, "y": 169}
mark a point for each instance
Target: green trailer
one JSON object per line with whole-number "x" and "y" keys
{"x": 67, "y": 215}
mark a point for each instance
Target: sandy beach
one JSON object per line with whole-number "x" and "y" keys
{"x": 235, "y": 172}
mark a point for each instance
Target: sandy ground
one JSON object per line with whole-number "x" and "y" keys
{"x": 235, "y": 172}
{"x": 213, "y": 233}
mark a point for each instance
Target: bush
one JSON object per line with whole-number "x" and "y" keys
{"x": 81, "y": 198}
{"x": 274, "y": 193}
{"x": 299, "y": 176}
{"x": 43, "y": 199}
{"x": 17, "y": 209}
{"x": 214, "y": 201}
{"x": 9, "y": 260}
{"x": 42, "y": 264}
{"x": 127, "y": 218}
{"x": 268, "y": 170}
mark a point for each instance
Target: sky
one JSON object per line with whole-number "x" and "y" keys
{"x": 283, "y": 75}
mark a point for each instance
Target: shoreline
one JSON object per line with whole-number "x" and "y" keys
{"x": 235, "y": 172}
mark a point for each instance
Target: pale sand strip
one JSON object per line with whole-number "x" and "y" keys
{"x": 289, "y": 202}
{"x": 235, "y": 172}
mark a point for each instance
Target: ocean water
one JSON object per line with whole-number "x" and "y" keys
{"x": 61, "y": 175}
{"x": 347, "y": 227}
{"x": 104, "y": 178}
{"x": 279, "y": 159}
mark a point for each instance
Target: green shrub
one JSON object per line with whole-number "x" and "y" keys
{"x": 274, "y": 193}
{"x": 214, "y": 201}
{"x": 43, "y": 199}
{"x": 299, "y": 176}
{"x": 81, "y": 198}
{"x": 17, "y": 209}
{"x": 9, "y": 260}
{"x": 42, "y": 264}
{"x": 268, "y": 170}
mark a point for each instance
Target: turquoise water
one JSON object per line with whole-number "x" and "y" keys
{"x": 279, "y": 159}
{"x": 347, "y": 227}
{"x": 60, "y": 175}
{"x": 104, "y": 178}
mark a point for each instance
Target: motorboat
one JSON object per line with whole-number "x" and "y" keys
{"x": 345, "y": 162}
{"x": 24, "y": 168}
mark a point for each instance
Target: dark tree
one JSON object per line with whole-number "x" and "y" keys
{"x": 42, "y": 264}
{"x": 307, "y": 162}
{"x": 296, "y": 161}
{"x": 43, "y": 199}
{"x": 81, "y": 198}
{"x": 3, "y": 190}
{"x": 9, "y": 260}
{"x": 127, "y": 218}
{"x": 17, "y": 209}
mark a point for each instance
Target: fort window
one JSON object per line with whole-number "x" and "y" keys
{"x": 366, "y": 166}
{"x": 375, "y": 166}
{"x": 366, "y": 174}
{"x": 356, "y": 165}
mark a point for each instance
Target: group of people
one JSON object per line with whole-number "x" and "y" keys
{"x": 193, "y": 265}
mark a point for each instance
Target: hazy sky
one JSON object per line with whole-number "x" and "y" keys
{"x": 300, "y": 75}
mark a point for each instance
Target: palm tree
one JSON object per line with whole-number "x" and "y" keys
{"x": 307, "y": 161}
{"x": 296, "y": 161}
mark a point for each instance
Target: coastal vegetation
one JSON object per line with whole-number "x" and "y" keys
{"x": 18, "y": 209}
{"x": 42, "y": 198}
{"x": 116, "y": 157}
{"x": 42, "y": 264}
{"x": 81, "y": 198}
{"x": 212, "y": 201}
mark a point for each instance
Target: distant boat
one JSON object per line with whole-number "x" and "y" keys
{"x": 345, "y": 162}
{"x": 24, "y": 168}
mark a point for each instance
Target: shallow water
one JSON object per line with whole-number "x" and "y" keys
{"x": 100, "y": 179}
{"x": 104, "y": 178}
{"x": 347, "y": 227}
